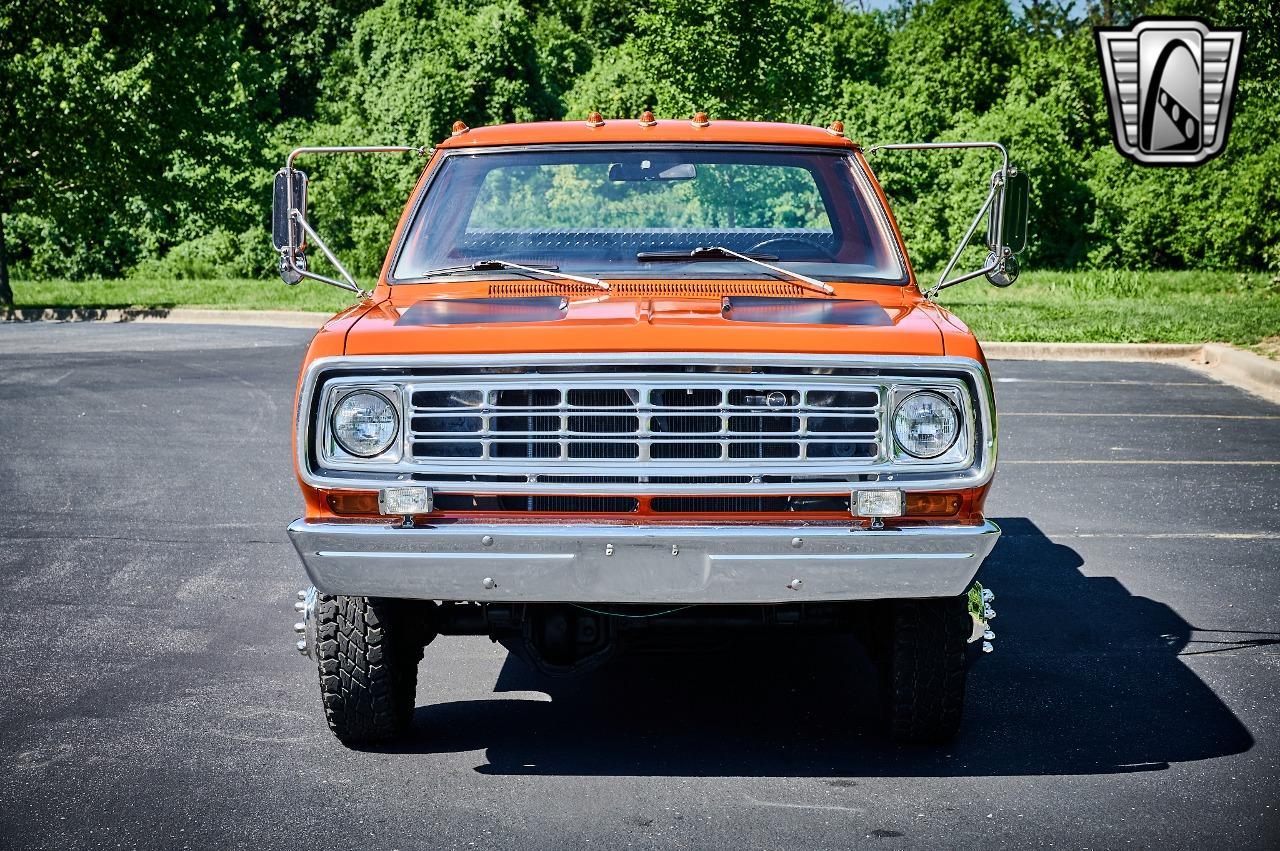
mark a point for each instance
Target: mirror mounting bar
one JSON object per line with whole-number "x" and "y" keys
{"x": 291, "y": 257}
{"x": 999, "y": 254}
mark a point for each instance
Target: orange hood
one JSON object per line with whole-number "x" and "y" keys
{"x": 687, "y": 317}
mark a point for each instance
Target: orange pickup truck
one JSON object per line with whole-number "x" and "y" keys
{"x": 629, "y": 377}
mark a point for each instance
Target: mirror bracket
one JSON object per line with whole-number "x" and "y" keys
{"x": 289, "y": 218}
{"x": 1001, "y": 267}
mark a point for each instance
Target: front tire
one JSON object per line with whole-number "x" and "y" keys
{"x": 367, "y": 652}
{"x": 927, "y": 668}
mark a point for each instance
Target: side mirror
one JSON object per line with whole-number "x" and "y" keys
{"x": 1007, "y": 226}
{"x": 285, "y": 235}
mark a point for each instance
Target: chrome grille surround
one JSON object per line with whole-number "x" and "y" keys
{"x": 648, "y": 423}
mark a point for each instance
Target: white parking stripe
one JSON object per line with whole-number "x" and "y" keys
{"x": 1118, "y": 381}
{"x": 1146, "y": 461}
{"x": 1160, "y": 416}
{"x": 1226, "y": 536}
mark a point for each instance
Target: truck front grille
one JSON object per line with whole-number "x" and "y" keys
{"x": 547, "y": 423}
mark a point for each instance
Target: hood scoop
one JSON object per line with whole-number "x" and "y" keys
{"x": 483, "y": 311}
{"x": 804, "y": 311}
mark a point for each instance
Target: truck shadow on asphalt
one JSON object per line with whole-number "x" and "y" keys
{"x": 1086, "y": 679}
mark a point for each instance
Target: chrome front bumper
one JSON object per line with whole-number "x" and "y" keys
{"x": 601, "y": 563}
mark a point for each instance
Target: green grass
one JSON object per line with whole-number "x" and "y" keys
{"x": 1096, "y": 306}
{"x": 148, "y": 294}
{"x": 1122, "y": 307}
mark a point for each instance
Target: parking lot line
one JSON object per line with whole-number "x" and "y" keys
{"x": 1171, "y": 536}
{"x": 1049, "y": 462}
{"x": 1161, "y": 416}
{"x": 1133, "y": 382}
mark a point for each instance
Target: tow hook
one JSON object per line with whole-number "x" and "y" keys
{"x": 980, "y": 600}
{"x": 306, "y": 628}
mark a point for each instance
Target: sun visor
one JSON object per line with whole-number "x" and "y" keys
{"x": 804, "y": 311}
{"x": 477, "y": 311}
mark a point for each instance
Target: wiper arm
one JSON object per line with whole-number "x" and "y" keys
{"x": 711, "y": 252}
{"x": 544, "y": 271}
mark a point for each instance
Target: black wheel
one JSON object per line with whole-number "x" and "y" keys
{"x": 926, "y": 669}
{"x": 368, "y": 651}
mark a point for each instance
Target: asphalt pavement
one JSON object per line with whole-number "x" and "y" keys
{"x": 152, "y": 697}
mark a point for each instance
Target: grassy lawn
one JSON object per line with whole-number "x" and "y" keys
{"x": 1122, "y": 307}
{"x": 228, "y": 293}
{"x": 1106, "y": 306}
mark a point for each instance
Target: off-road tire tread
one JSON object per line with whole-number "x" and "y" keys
{"x": 367, "y": 653}
{"x": 927, "y": 669}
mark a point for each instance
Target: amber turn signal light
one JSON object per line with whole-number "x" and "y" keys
{"x": 354, "y": 503}
{"x": 932, "y": 504}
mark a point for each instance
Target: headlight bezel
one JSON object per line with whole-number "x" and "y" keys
{"x": 948, "y": 403}
{"x": 332, "y": 451}
{"x": 961, "y": 449}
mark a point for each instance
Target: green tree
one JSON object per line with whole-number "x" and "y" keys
{"x": 121, "y": 121}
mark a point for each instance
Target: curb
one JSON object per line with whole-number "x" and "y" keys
{"x": 1092, "y": 351}
{"x": 1249, "y": 371}
{"x": 180, "y": 315}
{"x": 1246, "y": 370}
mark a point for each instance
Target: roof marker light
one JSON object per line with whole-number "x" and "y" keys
{"x": 836, "y": 128}
{"x": 700, "y": 119}
{"x": 647, "y": 119}
{"x": 459, "y": 127}
{"x": 595, "y": 119}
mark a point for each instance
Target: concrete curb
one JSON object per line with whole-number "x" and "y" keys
{"x": 1243, "y": 369}
{"x": 181, "y": 315}
{"x": 1091, "y": 351}
{"x": 1246, "y": 370}
{"x": 1250, "y": 372}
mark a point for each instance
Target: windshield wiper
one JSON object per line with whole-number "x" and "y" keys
{"x": 719, "y": 252}
{"x": 544, "y": 271}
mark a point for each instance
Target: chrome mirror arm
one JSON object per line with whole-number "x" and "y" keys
{"x": 295, "y": 215}
{"x": 995, "y": 258}
{"x": 943, "y": 283}
{"x": 290, "y": 255}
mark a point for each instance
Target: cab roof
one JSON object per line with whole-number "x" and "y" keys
{"x": 631, "y": 130}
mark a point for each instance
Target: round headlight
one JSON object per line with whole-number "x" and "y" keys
{"x": 926, "y": 424}
{"x": 365, "y": 423}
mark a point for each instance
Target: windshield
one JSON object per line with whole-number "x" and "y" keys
{"x": 641, "y": 213}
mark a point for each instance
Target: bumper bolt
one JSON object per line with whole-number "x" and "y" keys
{"x": 489, "y": 583}
{"x": 487, "y": 540}
{"x": 795, "y": 584}
{"x": 797, "y": 542}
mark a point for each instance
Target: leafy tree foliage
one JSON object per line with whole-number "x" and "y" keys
{"x": 121, "y": 122}
{"x": 141, "y": 137}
